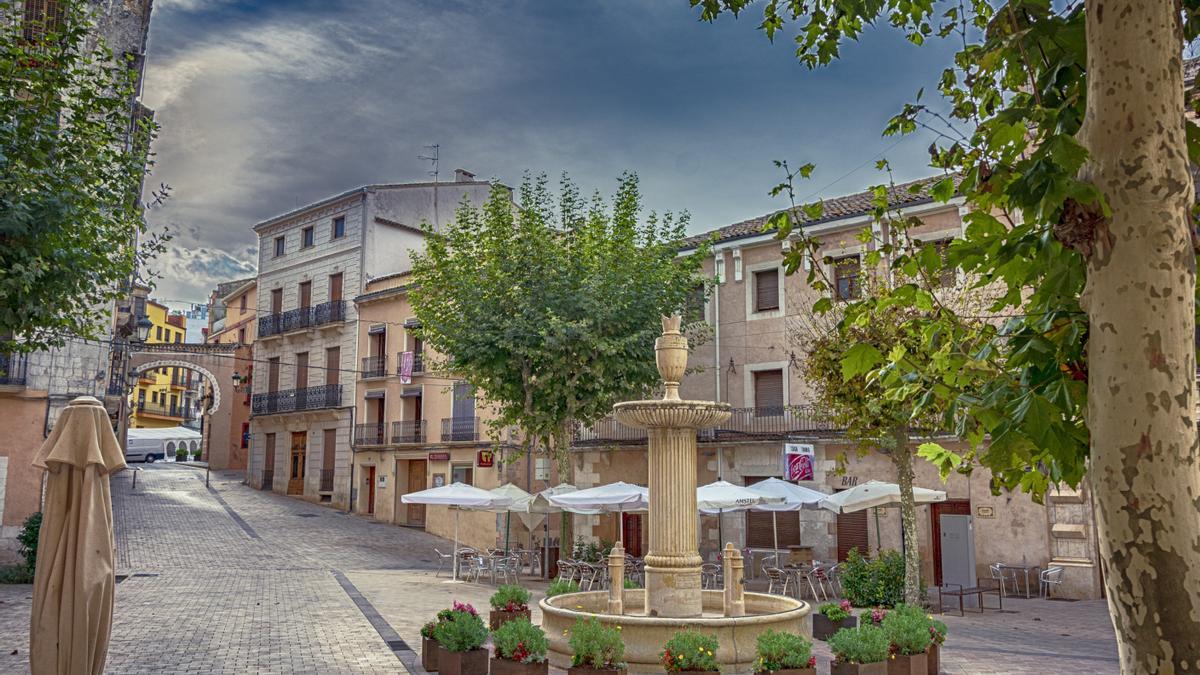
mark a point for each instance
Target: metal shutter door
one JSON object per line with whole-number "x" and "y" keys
{"x": 766, "y": 290}
{"x": 852, "y": 533}
{"x": 759, "y": 530}
{"x": 768, "y": 389}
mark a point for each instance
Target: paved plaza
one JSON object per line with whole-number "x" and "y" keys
{"x": 228, "y": 579}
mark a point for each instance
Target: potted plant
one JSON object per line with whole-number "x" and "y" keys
{"x": 832, "y": 617}
{"x": 520, "y": 649}
{"x": 429, "y": 644}
{"x": 784, "y": 654}
{"x": 908, "y": 631}
{"x": 690, "y": 651}
{"x": 460, "y": 642}
{"x": 560, "y": 586}
{"x": 859, "y": 651}
{"x": 508, "y": 602}
{"x": 181, "y": 455}
{"x": 937, "y": 637}
{"x": 596, "y": 649}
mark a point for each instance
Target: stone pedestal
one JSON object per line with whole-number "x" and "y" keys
{"x": 616, "y": 579}
{"x": 735, "y": 588}
{"x": 673, "y": 561}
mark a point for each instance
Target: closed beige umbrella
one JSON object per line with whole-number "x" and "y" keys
{"x": 73, "y": 584}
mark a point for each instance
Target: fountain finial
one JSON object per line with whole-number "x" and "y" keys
{"x": 671, "y": 352}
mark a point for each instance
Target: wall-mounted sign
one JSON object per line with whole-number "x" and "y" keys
{"x": 486, "y": 459}
{"x": 798, "y": 459}
{"x": 439, "y": 457}
{"x": 406, "y": 367}
{"x": 985, "y": 511}
{"x": 382, "y": 480}
{"x": 439, "y": 480}
{"x": 849, "y": 481}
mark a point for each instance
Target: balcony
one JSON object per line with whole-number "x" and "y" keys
{"x": 301, "y": 318}
{"x": 408, "y": 431}
{"x": 268, "y": 480}
{"x": 744, "y": 424}
{"x": 12, "y": 369}
{"x": 418, "y": 363}
{"x": 297, "y": 400}
{"x": 370, "y": 433}
{"x": 374, "y": 366}
{"x": 326, "y": 480}
{"x": 460, "y": 429}
{"x": 173, "y": 410}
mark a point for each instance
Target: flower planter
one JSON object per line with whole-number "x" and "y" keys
{"x": 474, "y": 662}
{"x": 823, "y": 628}
{"x": 788, "y": 671}
{"x": 429, "y": 654}
{"x": 498, "y": 617}
{"x": 506, "y": 667}
{"x": 588, "y": 670}
{"x": 933, "y": 659}
{"x": 914, "y": 664}
{"x": 879, "y": 668}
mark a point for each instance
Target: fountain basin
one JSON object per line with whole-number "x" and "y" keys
{"x": 671, "y": 414}
{"x": 645, "y": 636}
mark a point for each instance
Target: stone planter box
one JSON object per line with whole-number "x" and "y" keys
{"x": 823, "y": 628}
{"x": 506, "y": 667}
{"x": 933, "y": 660}
{"x": 498, "y": 617}
{"x": 880, "y": 668}
{"x": 474, "y": 662}
{"x": 583, "y": 670}
{"x": 429, "y": 654}
{"x": 788, "y": 671}
{"x": 914, "y": 664}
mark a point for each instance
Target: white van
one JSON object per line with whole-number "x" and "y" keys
{"x": 144, "y": 450}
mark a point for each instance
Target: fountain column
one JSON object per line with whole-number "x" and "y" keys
{"x": 673, "y": 561}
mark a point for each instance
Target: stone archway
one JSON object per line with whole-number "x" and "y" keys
{"x": 183, "y": 363}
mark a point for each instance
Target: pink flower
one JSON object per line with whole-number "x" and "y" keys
{"x": 463, "y": 607}
{"x": 845, "y": 605}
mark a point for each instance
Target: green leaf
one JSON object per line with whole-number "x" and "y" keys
{"x": 860, "y": 359}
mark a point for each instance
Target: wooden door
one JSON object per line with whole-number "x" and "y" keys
{"x": 370, "y": 477}
{"x": 335, "y": 287}
{"x": 305, "y": 294}
{"x": 416, "y": 482}
{"x": 302, "y": 370}
{"x": 957, "y": 507}
{"x": 269, "y": 462}
{"x": 277, "y": 301}
{"x": 631, "y": 533}
{"x": 296, "y": 465}
{"x": 333, "y": 359}
{"x": 273, "y": 374}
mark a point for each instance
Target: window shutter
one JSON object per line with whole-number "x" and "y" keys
{"x": 852, "y": 533}
{"x": 766, "y": 290}
{"x": 768, "y": 389}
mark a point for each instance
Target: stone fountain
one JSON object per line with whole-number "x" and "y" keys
{"x": 673, "y": 599}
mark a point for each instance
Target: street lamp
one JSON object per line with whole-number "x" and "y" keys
{"x": 143, "y": 328}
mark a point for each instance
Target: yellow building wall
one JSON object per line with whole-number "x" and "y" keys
{"x": 157, "y": 381}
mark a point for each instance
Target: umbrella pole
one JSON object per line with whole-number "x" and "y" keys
{"x": 546, "y": 547}
{"x": 775, "y": 531}
{"x": 621, "y": 526}
{"x": 878, "y": 545}
{"x": 455, "y": 544}
{"x": 720, "y": 530}
{"x": 507, "y": 523}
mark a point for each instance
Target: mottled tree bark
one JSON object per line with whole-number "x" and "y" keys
{"x": 1141, "y": 358}
{"x": 902, "y": 457}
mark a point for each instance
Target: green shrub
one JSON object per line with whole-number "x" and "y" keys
{"x": 783, "y": 651}
{"x": 560, "y": 586}
{"x": 937, "y": 631}
{"x": 521, "y": 641}
{"x": 836, "y": 611}
{"x": 591, "y": 551}
{"x": 181, "y": 455}
{"x": 875, "y": 582}
{"x": 908, "y": 629}
{"x": 16, "y": 574}
{"x": 689, "y": 650}
{"x": 865, "y": 644}
{"x": 594, "y": 645}
{"x": 28, "y": 539}
{"x": 630, "y": 583}
{"x": 428, "y": 631}
{"x": 510, "y": 598}
{"x": 462, "y": 632}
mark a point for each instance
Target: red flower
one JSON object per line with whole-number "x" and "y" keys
{"x": 812, "y": 662}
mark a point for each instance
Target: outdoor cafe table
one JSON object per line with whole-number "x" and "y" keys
{"x": 1025, "y": 570}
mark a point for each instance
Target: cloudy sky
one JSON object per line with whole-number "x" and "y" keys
{"x": 267, "y": 106}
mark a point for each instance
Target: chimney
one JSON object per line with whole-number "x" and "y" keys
{"x": 463, "y": 176}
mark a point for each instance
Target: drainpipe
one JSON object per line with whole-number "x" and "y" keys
{"x": 717, "y": 336}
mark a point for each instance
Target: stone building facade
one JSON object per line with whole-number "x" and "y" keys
{"x": 232, "y": 320}
{"x": 312, "y": 262}
{"x": 756, "y": 320}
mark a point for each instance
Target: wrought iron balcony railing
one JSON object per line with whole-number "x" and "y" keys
{"x": 744, "y": 424}
{"x": 162, "y": 409}
{"x": 13, "y": 368}
{"x": 374, "y": 366}
{"x": 293, "y": 400}
{"x": 326, "y": 480}
{"x": 301, "y": 318}
{"x": 370, "y": 433}
{"x": 408, "y": 431}
{"x": 460, "y": 429}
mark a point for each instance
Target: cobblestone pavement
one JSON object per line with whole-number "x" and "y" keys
{"x": 233, "y": 580}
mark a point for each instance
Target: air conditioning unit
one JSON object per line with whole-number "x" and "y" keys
{"x": 541, "y": 468}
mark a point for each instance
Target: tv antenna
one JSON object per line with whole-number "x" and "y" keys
{"x": 433, "y": 158}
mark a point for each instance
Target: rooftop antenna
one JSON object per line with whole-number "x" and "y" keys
{"x": 433, "y": 158}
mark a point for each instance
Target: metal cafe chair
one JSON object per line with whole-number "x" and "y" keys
{"x": 1051, "y": 576}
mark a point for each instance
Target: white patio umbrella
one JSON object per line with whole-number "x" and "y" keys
{"x": 520, "y": 504}
{"x": 457, "y": 496}
{"x": 721, "y": 496}
{"x": 795, "y": 498}
{"x": 540, "y": 505}
{"x": 876, "y": 494}
{"x": 616, "y": 497}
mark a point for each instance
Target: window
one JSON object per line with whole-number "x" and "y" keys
{"x": 946, "y": 275}
{"x": 845, "y": 278}
{"x": 305, "y": 294}
{"x": 693, "y": 311}
{"x": 768, "y": 392}
{"x": 241, "y": 336}
{"x": 179, "y": 337}
{"x": 42, "y": 18}
{"x": 461, "y": 473}
{"x": 306, "y": 237}
{"x": 158, "y": 333}
{"x": 338, "y": 229}
{"x": 242, "y": 302}
{"x": 279, "y": 242}
{"x": 766, "y": 290}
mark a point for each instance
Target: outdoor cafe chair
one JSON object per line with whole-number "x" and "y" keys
{"x": 820, "y": 574}
{"x": 1051, "y": 576}
{"x": 833, "y": 575}
{"x": 1001, "y": 577}
{"x": 807, "y": 577}
{"x": 710, "y": 574}
{"x": 442, "y": 558}
{"x": 776, "y": 579}
{"x": 566, "y": 570}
